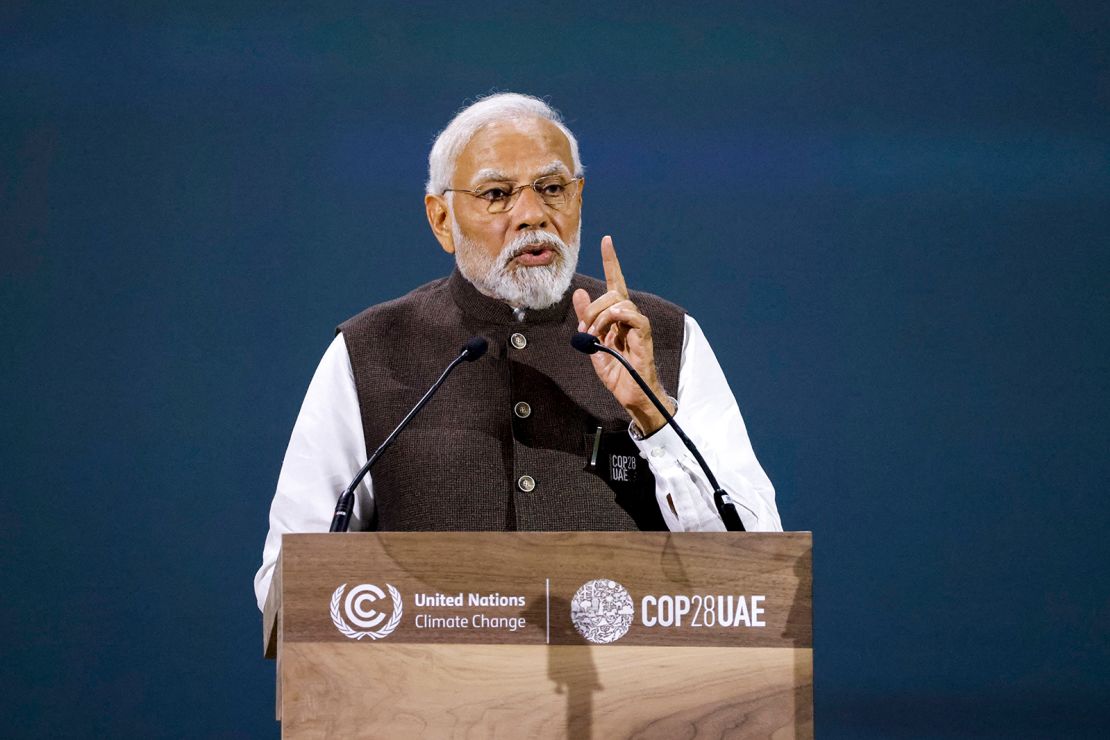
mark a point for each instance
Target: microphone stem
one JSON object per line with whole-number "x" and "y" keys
{"x": 725, "y": 507}
{"x": 341, "y": 520}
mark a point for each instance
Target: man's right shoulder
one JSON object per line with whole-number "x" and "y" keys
{"x": 416, "y": 302}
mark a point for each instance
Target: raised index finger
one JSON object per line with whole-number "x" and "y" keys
{"x": 614, "y": 279}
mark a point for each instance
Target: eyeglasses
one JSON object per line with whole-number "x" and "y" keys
{"x": 555, "y": 191}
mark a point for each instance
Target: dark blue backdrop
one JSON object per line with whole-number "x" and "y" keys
{"x": 890, "y": 220}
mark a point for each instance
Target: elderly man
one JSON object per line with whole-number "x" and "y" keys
{"x": 533, "y": 436}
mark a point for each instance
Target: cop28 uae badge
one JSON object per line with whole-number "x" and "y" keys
{"x": 602, "y": 610}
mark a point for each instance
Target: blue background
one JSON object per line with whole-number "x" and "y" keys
{"x": 890, "y": 219}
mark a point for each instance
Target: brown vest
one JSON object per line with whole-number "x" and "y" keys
{"x": 459, "y": 465}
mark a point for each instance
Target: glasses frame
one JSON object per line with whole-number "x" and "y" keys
{"x": 514, "y": 194}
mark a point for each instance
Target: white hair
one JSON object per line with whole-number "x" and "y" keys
{"x": 530, "y": 287}
{"x": 451, "y": 141}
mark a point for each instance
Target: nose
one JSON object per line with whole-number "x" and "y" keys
{"x": 529, "y": 211}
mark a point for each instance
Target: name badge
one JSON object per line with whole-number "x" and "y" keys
{"x": 614, "y": 458}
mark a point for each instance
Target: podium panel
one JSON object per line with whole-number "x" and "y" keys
{"x": 560, "y": 635}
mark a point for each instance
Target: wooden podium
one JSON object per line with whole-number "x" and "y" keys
{"x": 537, "y": 635}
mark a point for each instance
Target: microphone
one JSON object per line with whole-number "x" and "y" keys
{"x": 586, "y": 343}
{"x": 589, "y": 344}
{"x": 474, "y": 348}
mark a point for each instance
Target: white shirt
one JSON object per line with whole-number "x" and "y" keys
{"x": 327, "y": 448}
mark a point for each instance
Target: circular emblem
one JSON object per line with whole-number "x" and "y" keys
{"x": 358, "y": 609}
{"x": 601, "y": 610}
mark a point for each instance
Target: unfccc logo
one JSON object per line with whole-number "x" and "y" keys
{"x": 359, "y": 609}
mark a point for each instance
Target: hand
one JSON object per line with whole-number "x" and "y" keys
{"x": 615, "y": 320}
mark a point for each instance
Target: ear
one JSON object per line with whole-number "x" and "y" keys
{"x": 439, "y": 218}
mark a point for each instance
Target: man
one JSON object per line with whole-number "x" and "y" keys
{"x": 532, "y": 436}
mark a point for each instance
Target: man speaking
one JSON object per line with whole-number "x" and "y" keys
{"x": 534, "y": 435}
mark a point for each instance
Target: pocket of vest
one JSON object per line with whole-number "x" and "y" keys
{"x": 615, "y": 459}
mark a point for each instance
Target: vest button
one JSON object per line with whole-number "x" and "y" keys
{"x": 518, "y": 340}
{"x": 526, "y": 483}
{"x": 522, "y": 409}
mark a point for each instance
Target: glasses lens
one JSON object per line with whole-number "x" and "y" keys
{"x": 555, "y": 191}
{"x": 498, "y": 197}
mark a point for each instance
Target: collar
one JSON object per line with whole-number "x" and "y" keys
{"x": 494, "y": 311}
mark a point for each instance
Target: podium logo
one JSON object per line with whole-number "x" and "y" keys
{"x": 602, "y": 611}
{"x": 359, "y": 609}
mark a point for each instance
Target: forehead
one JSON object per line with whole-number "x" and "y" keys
{"x": 520, "y": 149}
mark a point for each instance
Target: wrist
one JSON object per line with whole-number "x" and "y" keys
{"x": 647, "y": 420}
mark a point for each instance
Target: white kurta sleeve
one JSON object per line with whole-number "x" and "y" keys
{"x": 325, "y": 451}
{"x": 708, "y": 413}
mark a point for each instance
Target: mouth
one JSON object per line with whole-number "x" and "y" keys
{"x": 535, "y": 255}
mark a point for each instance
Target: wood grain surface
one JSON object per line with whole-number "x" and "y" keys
{"x": 523, "y": 691}
{"x": 681, "y": 679}
{"x": 545, "y": 570}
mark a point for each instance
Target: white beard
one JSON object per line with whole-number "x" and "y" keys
{"x": 535, "y": 287}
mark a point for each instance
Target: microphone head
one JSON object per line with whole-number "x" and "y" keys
{"x": 474, "y": 348}
{"x": 584, "y": 342}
